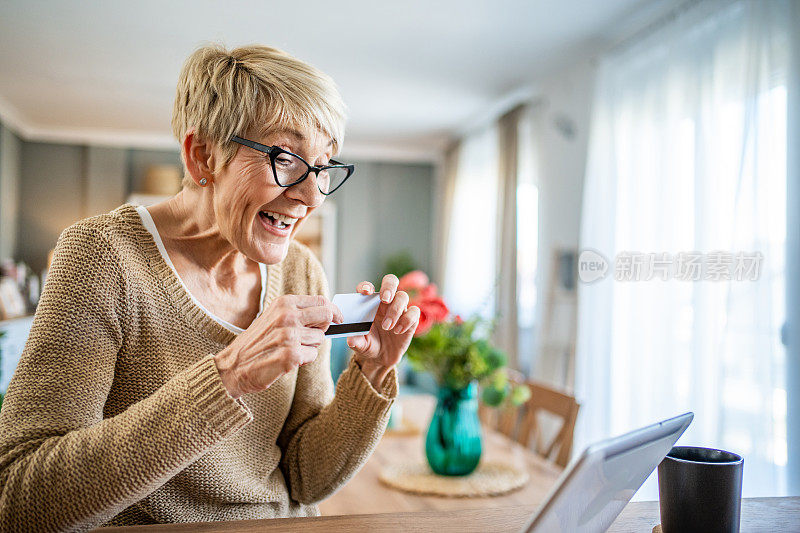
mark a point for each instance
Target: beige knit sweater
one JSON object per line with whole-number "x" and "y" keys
{"x": 117, "y": 415}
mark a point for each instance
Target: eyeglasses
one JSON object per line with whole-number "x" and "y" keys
{"x": 290, "y": 169}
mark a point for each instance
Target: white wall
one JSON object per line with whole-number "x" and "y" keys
{"x": 565, "y": 97}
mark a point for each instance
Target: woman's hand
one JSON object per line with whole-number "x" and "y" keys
{"x": 391, "y": 332}
{"x": 285, "y": 336}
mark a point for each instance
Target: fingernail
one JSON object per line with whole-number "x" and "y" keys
{"x": 385, "y": 296}
{"x": 398, "y": 329}
{"x": 387, "y": 323}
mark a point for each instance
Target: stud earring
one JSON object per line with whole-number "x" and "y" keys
{"x": 203, "y": 181}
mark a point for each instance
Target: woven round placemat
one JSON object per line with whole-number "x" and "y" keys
{"x": 489, "y": 479}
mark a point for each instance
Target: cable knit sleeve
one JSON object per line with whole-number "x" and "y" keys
{"x": 326, "y": 439}
{"x": 63, "y": 467}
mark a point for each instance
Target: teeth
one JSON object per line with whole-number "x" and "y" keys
{"x": 282, "y": 218}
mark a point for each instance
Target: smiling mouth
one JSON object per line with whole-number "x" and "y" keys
{"x": 277, "y": 220}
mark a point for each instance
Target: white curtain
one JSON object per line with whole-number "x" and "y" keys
{"x": 470, "y": 265}
{"x": 527, "y": 212}
{"x": 687, "y": 155}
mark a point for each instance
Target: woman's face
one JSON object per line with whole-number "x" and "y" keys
{"x": 247, "y": 201}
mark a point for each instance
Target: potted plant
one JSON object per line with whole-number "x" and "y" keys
{"x": 459, "y": 356}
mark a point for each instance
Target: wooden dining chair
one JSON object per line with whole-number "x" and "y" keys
{"x": 524, "y": 423}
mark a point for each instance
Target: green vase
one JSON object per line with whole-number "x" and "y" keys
{"x": 453, "y": 443}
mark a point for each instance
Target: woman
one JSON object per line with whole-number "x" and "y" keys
{"x": 176, "y": 369}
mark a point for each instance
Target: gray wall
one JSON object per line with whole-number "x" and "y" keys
{"x": 61, "y": 184}
{"x": 385, "y": 208}
{"x": 51, "y": 198}
{"x": 106, "y": 179}
{"x": 139, "y": 160}
{"x": 10, "y": 148}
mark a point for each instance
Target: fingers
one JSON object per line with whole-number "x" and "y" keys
{"x": 389, "y": 287}
{"x": 293, "y": 337}
{"x": 338, "y": 316}
{"x": 409, "y": 321}
{"x": 395, "y": 310}
{"x": 314, "y": 310}
{"x": 299, "y": 356}
{"x": 365, "y": 287}
{"x": 308, "y": 354}
{"x": 321, "y": 316}
{"x": 359, "y": 343}
{"x": 301, "y": 301}
{"x": 313, "y": 337}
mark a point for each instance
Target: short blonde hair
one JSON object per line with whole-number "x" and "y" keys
{"x": 253, "y": 90}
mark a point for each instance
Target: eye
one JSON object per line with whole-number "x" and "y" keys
{"x": 284, "y": 160}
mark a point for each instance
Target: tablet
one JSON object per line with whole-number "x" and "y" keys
{"x": 596, "y": 486}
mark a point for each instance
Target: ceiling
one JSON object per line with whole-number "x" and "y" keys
{"x": 412, "y": 73}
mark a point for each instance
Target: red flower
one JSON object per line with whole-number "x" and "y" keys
{"x": 414, "y": 280}
{"x": 431, "y": 311}
{"x": 436, "y": 308}
{"x": 428, "y": 292}
{"x": 425, "y": 323}
{"x": 432, "y": 308}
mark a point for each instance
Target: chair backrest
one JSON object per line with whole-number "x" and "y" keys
{"x": 523, "y": 423}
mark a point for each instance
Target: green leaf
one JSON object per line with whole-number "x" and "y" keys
{"x": 457, "y": 354}
{"x": 520, "y": 394}
{"x": 493, "y": 397}
{"x": 499, "y": 379}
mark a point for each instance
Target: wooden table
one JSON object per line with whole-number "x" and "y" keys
{"x": 774, "y": 515}
{"x": 364, "y": 494}
{"x": 758, "y": 514}
{"x": 364, "y": 504}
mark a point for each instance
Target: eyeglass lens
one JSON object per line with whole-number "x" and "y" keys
{"x": 289, "y": 170}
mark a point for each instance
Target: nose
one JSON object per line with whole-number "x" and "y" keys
{"x": 307, "y": 191}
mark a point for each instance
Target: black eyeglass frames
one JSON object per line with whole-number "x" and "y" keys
{"x": 290, "y": 169}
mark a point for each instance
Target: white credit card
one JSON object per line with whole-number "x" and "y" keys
{"x": 358, "y": 311}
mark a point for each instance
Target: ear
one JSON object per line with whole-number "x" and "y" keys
{"x": 199, "y": 157}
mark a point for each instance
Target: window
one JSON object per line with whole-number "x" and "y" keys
{"x": 687, "y": 154}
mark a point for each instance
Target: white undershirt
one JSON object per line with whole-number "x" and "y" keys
{"x": 148, "y": 223}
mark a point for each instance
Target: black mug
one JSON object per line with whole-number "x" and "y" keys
{"x": 700, "y": 489}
